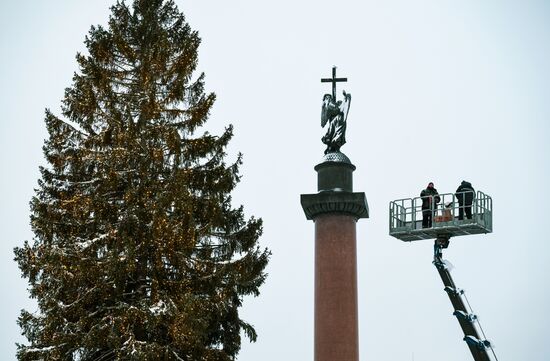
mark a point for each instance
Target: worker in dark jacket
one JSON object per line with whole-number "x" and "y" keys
{"x": 430, "y": 198}
{"x": 465, "y": 195}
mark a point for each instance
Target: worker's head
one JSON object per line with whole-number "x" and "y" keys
{"x": 430, "y": 185}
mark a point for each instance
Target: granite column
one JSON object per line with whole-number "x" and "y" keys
{"x": 335, "y": 210}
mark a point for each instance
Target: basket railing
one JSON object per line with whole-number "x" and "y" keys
{"x": 406, "y": 213}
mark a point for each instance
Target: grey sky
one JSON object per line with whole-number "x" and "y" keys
{"x": 442, "y": 91}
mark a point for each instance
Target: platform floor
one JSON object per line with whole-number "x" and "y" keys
{"x": 409, "y": 231}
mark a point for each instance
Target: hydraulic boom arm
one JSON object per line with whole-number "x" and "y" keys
{"x": 478, "y": 347}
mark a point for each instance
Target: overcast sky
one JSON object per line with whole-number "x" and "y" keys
{"x": 442, "y": 91}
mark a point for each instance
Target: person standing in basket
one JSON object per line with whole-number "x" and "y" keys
{"x": 465, "y": 195}
{"x": 430, "y": 198}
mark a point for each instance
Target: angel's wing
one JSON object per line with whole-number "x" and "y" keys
{"x": 344, "y": 107}
{"x": 324, "y": 116}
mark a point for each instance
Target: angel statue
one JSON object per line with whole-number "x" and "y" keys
{"x": 335, "y": 114}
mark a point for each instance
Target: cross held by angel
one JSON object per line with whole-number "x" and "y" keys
{"x": 335, "y": 114}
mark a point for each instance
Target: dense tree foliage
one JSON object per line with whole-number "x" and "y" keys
{"x": 138, "y": 253}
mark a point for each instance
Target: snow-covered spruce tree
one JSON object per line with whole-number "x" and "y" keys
{"x": 138, "y": 253}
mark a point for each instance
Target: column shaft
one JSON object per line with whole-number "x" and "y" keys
{"x": 336, "y": 329}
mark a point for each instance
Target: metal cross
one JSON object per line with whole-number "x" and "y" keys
{"x": 333, "y": 80}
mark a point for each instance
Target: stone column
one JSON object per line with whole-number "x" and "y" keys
{"x": 335, "y": 210}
